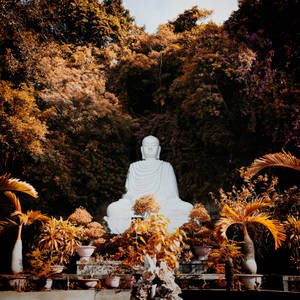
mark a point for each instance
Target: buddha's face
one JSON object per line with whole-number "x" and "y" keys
{"x": 150, "y": 148}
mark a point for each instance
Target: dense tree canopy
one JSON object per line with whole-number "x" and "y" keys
{"x": 81, "y": 85}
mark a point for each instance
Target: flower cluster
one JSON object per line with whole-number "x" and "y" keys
{"x": 80, "y": 217}
{"x": 146, "y": 204}
{"x": 199, "y": 213}
{"x": 93, "y": 231}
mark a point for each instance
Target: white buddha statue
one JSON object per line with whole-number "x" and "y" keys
{"x": 149, "y": 176}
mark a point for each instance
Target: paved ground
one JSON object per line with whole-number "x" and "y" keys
{"x": 67, "y": 295}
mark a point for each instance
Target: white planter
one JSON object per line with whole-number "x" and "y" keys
{"x": 18, "y": 284}
{"x": 57, "y": 268}
{"x": 251, "y": 281}
{"x": 112, "y": 281}
{"x": 85, "y": 252}
{"x": 48, "y": 284}
{"x": 17, "y": 258}
{"x": 89, "y": 282}
{"x": 250, "y": 265}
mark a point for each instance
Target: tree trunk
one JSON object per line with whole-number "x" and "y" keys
{"x": 249, "y": 260}
{"x": 229, "y": 273}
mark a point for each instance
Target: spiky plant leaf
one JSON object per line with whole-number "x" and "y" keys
{"x": 22, "y": 186}
{"x": 13, "y": 184}
{"x": 4, "y": 180}
{"x": 282, "y": 159}
{"x": 222, "y": 226}
{"x": 36, "y": 216}
{"x": 14, "y": 199}
{"x": 254, "y": 206}
{"x": 229, "y": 212}
{"x": 276, "y": 229}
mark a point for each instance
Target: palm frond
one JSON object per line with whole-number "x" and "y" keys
{"x": 6, "y": 223}
{"x": 229, "y": 212}
{"x": 3, "y": 226}
{"x": 35, "y": 216}
{"x": 281, "y": 159}
{"x": 4, "y": 180}
{"x": 276, "y": 229}
{"x": 14, "y": 199}
{"x": 13, "y": 184}
{"x": 254, "y": 206}
{"x": 222, "y": 225}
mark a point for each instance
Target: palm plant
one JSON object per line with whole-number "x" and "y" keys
{"x": 18, "y": 218}
{"x": 240, "y": 211}
{"x": 293, "y": 240}
{"x": 228, "y": 252}
{"x": 281, "y": 159}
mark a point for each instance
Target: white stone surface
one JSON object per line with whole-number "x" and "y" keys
{"x": 149, "y": 176}
{"x": 67, "y": 295}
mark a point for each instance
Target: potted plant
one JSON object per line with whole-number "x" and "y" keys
{"x": 287, "y": 204}
{"x": 145, "y": 236}
{"x": 93, "y": 232}
{"x": 57, "y": 243}
{"x": 245, "y": 207}
{"x": 150, "y": 237}
{"x": 225, "y": 259}
{"x": 89, "y": 281}
{"x": 42, "y": 267}
{"x": 197, "y": 232}
{"x": 112, "y": 279}
{"x": 293, "y": 241}
{"x": 18, "y": 218}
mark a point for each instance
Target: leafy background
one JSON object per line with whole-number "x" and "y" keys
{"x": 81, "y": 85}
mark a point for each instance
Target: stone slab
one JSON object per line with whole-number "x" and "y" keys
{"x": 67, "y": 295}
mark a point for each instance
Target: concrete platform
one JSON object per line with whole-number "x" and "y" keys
{"x": 117, "y": 294}
{"x": 113, "y": 294}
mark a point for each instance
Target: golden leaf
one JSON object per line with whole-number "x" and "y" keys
{"x": 14, "y": 184}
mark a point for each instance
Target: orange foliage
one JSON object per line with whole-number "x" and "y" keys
{"x": 21, "y": 127}
{"x": 148, "y": 237}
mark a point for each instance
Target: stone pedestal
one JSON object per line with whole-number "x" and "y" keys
{"x": 193, "y": 267}
{"x": 96, "y": 268}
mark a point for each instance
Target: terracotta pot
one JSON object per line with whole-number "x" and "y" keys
{"x": 57, "y": 268}
{"x": 89, "y": 282}
{"x": 130, "y": 281}
{"x": 201, "y": 251}
{"x": 112, "y": 281}
{"x": 18, "y": 283}
{"x": 85, "y": 252}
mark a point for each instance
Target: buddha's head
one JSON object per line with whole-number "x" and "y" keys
{"x": 150, "y": 148}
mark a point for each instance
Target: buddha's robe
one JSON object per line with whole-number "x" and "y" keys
{"x": 149, "y": 177}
